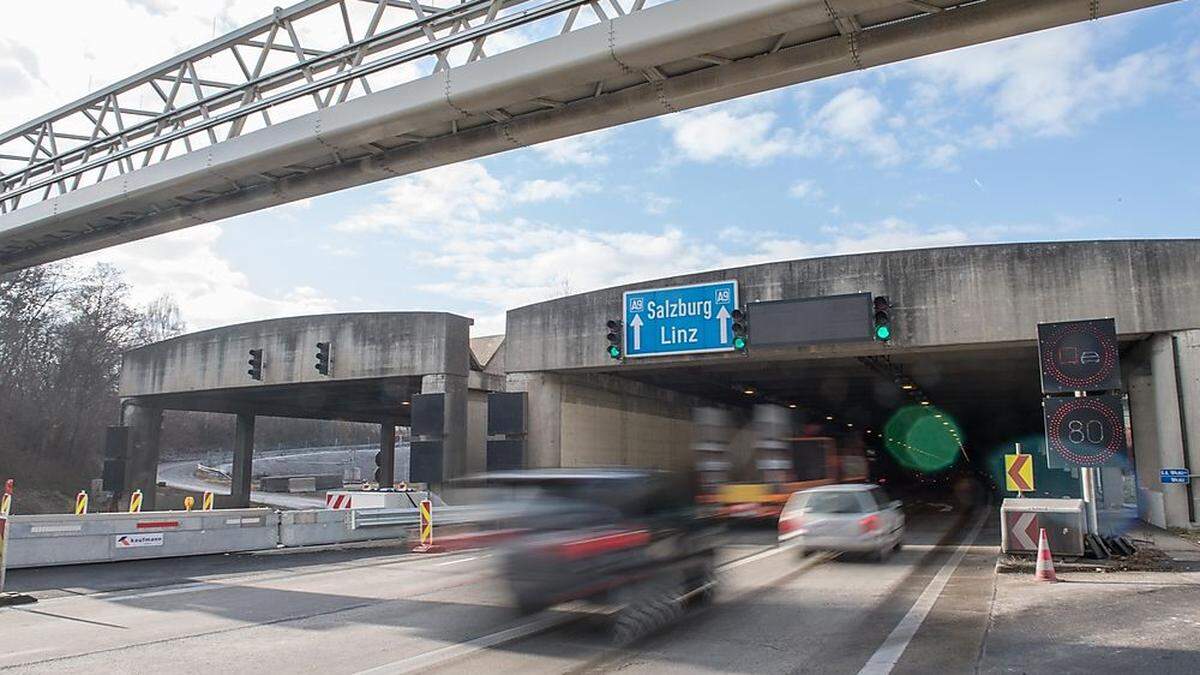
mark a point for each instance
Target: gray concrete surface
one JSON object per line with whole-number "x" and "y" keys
{"x": 944, "y": 297}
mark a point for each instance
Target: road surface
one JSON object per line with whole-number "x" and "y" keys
{"x": 182, "y": 475}
{"x": 384, "y": 610}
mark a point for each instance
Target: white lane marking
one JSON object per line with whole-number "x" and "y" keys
{"x": 761, "y": 555}
{"x": 449, "y": 652}
{"x": 455, "y": 562}
{"x": 885, "y": 658}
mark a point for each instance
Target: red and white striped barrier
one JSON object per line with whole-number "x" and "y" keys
{"x": 337, "y": 500}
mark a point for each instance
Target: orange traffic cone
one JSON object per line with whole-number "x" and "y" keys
{"x": 1045, "y": 563}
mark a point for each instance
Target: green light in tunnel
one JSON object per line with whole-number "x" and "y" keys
{"x": 614, "y": 351}
{"x": 883, "y": 333}
{"x": 923, "y": 438}
{"x": 739, "y": 343}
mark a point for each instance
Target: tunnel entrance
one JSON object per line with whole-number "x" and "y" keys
{"x": 924, "y": 419}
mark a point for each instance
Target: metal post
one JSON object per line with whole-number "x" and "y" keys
{"x": 1087, "y": 479}
{"x": 5, "y": 507}
{"x": 387, "y": 454}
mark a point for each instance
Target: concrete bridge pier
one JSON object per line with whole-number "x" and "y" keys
{"x": 1162, "y": 374}
{"x": 141, "y": 472}
{"x": 454, "y": 419}
{"x": 387, "y": 454}
{"x": 243, "y": 460}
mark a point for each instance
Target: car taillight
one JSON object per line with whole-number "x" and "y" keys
{"x": 615, "y": 541}
{"x": 789, "y": 523}
{"x": 869, "y": 523}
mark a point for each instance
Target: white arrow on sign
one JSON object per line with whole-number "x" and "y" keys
{"x": 722, "y": 318}
{"x": 1020, "y": 528}
{"x": 636, "y": 325}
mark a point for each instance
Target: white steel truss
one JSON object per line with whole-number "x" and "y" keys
{"x": 310, "y": 56}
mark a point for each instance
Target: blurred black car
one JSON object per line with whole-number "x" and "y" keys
{"x": 629, "y": 539}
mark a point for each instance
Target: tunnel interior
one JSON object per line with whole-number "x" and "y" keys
{"x": 924, "y": 417}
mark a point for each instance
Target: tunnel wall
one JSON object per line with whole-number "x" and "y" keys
{"x": 602, "y": 420}
{"x": 969, "y": 295}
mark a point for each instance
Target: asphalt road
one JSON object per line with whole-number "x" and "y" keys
{"x": 381, "y": 610}
{"x": 182, "y": 475}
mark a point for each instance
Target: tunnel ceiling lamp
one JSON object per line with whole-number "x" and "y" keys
{"x": 829, "y": 418}
{"x": 924, "y": 402}
{"x": 908, "y": 386}
{"x": 404, "y": 403}
{"x": 749, "y": 391}
{"x": 792, "y": 406}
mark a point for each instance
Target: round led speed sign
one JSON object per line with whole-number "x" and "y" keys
{"x": 1086, "y": 431}
{"x": 1079, "y": 356}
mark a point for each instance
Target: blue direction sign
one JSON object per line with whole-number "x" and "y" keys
{"x": 1176, "y": 476}
{"x": 680, "y": 320}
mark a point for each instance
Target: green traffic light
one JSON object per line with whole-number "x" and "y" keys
{"x": 739, "y": 342}
{"x": 614, "y": 351}
{"x": 883, "y": 333}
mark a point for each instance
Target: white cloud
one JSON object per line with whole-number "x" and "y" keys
{"x": 485, "y": 256}
{"x": 542, "y": 190}
{"x": 725, "y": 133}
{"x": 18, "y": 69}
{"x": 1047, "y": 84}
{"x": 942, "y": 156}
{"x": 210, "y": 292}
{"x": 806, "y": 189}
{"x": 585, "y": 149}
{"x": 853, "y": 119}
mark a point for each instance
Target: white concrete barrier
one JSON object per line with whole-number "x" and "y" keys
{"x": 46, "y": 540}
{"x": 328, "y": 526}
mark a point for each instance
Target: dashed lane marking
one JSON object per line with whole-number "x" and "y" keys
{"x": 885, "y": 658}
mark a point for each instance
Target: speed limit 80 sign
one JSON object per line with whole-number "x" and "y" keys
{"x": 1086, "y": 431}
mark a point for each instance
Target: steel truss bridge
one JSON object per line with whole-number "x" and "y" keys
{"x": 329, "y": 94}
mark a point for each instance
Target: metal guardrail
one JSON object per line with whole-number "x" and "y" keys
{"x": 442, "y": 515}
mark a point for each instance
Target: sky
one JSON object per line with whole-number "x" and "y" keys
{"x": 1085, "y": 132}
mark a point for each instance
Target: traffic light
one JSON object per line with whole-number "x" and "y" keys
{"x": 322, "y": 358}
{"x": 379, "y": 468}
{"x": 256, "y": 364}
{"x": 740, "y": 330}
{"x": 883, "y": 318}
{"x": 615, "y": 331}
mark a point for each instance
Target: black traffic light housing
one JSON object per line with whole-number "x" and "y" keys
{"x": 379, "y": 468}
{"x": 322, "y": 365}
{"x": 256, "y": 364}
{"x": 741, "y": 330}
{"x": 616, "y": 330}
{"x": 882, "y": 330}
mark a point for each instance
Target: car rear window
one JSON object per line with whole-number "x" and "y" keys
{"x": 881, "y": 498}
{"x": 833, "y": 502}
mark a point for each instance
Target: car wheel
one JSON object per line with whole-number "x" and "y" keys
{"x": 899, "y": 545}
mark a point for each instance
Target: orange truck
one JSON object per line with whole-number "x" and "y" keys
{"x": 805, "y": 462}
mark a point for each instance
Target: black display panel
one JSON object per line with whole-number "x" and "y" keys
{"x": 1086, "y": 431}
{"x": 116, "y": 443}
{"x": 425, "y": 462}
{"x": 505, "y": 455}
{"x": 428, "y": 414}
{"x": 1079, "y": 356}
{"x": 810, "y": 321}
{"x": 506, "y": 413}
